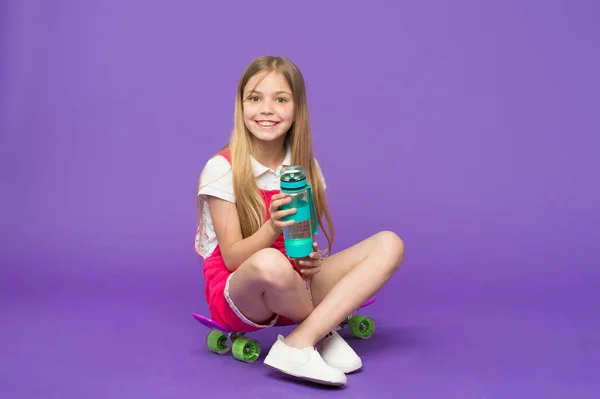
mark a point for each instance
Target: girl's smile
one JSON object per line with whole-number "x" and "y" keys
{"x": 266, "y": 125}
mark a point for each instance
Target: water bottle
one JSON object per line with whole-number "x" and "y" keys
{"x": 298, "y": 238}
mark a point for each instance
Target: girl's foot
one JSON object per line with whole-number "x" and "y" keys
{"x": 304, "y": 363}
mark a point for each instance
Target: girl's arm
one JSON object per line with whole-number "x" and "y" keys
{"x": 235, "y": 249}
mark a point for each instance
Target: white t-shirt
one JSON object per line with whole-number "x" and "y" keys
{"x": 216, "y": 180}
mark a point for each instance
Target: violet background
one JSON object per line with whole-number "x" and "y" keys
{"x": 472, "y": 128}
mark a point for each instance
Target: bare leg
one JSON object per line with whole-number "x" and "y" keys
{"x": 266, "y": 284}
{"x": 347, "y": 279}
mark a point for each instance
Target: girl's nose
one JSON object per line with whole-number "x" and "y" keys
{"x": 266, "y": 108}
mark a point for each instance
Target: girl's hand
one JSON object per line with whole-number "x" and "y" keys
{"x": 276, "y": 215}
{"x": 312, "y": 264}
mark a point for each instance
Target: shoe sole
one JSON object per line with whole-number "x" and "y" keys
{"x": 347, "y": 371}
{"x": 316, "y": 381}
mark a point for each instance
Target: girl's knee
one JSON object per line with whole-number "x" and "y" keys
{"x": 392, "y": 243}
{"x": 273, "y": 268}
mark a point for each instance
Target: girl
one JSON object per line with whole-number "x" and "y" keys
{"x": 250, "y": 282}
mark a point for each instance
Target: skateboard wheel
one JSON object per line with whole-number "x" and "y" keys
{"x": 246, "y": 350}
{"x": 217, "y": 342}
{"x": 361, "y": 326}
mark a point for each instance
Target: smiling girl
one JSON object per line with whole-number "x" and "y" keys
{"x": 250, "y": 282}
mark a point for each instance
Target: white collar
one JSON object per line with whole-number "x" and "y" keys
{"x": 259, "y": 168}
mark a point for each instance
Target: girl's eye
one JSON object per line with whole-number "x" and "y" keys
{"x": 281, "y": 100}
{"x": 254, "y": 98}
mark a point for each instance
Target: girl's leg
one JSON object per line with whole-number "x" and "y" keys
{"x": 346, "y": 280}
{"x": 265, "y": 285}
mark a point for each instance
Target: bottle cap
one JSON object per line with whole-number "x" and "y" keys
{"x": 292, "y": 177}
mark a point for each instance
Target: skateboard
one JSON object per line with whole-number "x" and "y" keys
{"x": 221, "y": 340}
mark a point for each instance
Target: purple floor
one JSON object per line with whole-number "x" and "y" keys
{"x": 88, "y": 336}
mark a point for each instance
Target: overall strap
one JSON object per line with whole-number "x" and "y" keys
{"x": 226, "y": 154}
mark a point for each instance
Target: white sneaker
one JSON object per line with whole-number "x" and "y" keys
{"x": 338, "y": 354}
{"x": 303, "y": 363}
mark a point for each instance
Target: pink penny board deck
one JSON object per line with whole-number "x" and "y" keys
{"x": 206, "y": 322}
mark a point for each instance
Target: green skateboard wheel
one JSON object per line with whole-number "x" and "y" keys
{"x": 361, "y": 326}
{"x": 246, "y": 350}
{"x": 217, "y": 342}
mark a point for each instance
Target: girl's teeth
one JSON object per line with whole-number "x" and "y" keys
{"x": 266, "y": 123}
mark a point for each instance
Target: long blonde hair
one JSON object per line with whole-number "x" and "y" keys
{"x": 249, "y": 202}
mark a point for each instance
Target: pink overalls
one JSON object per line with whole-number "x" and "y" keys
{"x": 216, "y": 276}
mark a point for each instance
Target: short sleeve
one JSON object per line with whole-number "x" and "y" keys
{"x": 216, "y": 180}
{"x": 321, "y": 173}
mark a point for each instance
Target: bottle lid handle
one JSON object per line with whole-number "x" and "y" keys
{"x": 313, "y": 210}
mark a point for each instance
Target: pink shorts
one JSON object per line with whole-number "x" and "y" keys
{"x": 226, "y": 313}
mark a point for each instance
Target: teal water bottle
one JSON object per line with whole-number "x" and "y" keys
{"x": 298, "y": 238}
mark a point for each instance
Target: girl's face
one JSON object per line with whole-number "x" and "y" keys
{"x": 268, "y": 106}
